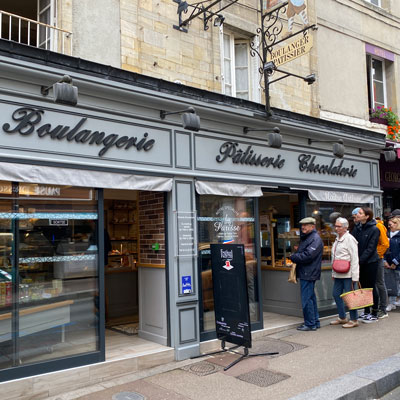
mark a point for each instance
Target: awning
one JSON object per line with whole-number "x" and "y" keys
{"x": 340, "y": 197}
{"x": 228, "y": 189}
{"x": 84, "y": 178}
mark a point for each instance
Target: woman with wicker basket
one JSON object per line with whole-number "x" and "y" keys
{"x": 345, "y": 270}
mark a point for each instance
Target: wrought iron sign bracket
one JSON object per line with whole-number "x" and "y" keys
{"x": 198, "y": 10}
{"x": 270, "y": 35}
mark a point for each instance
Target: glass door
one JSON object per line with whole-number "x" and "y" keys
{"x": 226, "y": 220}
{"x": 49, "y": 293}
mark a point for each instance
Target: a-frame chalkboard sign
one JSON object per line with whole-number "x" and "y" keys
{"x": 231, "y": 302}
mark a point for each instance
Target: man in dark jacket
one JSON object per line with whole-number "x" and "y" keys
{"x": 308, "y": 259}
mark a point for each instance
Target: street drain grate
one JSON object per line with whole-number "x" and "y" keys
{"x": 265, "y": 344}
{"x": 128, "y": 396}
{"x": 263, "y": 378}
{"x": 202, "y": 368}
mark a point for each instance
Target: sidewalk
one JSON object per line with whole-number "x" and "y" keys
{"x": 330, "y": 363}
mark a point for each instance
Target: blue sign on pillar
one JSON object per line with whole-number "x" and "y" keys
{"x": 186, "y": 284}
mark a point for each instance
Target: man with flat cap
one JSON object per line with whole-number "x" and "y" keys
{"x": 308, "y": 258}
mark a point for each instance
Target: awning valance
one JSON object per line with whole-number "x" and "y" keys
{"x": 228, "y": 189}
{"x": 340, "y": 197}
{"x": 83, "y": 178}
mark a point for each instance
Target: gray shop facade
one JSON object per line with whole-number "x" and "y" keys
{"x": 105, "y": 196}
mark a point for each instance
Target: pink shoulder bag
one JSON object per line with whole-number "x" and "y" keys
{"x": 340, "y": 266}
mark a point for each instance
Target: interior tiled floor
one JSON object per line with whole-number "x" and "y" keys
{"x": 119, "y": 345}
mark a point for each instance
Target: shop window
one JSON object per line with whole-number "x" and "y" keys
{"x": 48, "y": 273}
{"x": 279, "y": 228}
{"x": 225, "y": 220}
{"x": 325, "y": 214}
{"x": 239, "y": 69}
{"x": 376, "y": 75}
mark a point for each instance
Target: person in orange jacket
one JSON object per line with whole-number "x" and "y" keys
{"x": 381, "y": 248}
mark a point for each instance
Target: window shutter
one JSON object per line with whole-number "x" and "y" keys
{"x": 255, "y": 74}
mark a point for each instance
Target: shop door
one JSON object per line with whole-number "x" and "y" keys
{"x": 48, "y": 273}
{"x": 226, "y": 220}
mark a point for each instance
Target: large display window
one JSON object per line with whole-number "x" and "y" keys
{"x": 226, "y": 220}
{"x": 325, "y": 214}
{"x": 48, "y": 273}
{"x": 280, "y": 229}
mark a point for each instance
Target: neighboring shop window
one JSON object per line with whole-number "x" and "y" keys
{"x": 226, "y": 220}
{"x": 326, "y": 214}
{"x": 48, "y": 273}
{"x": 279, "y": 228}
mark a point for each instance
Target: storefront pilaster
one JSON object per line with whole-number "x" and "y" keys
{"x": 182, "y": 271}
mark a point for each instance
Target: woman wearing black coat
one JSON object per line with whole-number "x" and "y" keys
{"x": 367, "y": 235}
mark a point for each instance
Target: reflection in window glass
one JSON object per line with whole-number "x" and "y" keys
{"x": 325, "y": 215}
{"x": 226, "y": 220}
{"x": 48, "y": 244}
{"x": 279, "y": 228}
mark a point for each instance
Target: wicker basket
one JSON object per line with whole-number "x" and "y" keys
{"x": 359, "y": 298}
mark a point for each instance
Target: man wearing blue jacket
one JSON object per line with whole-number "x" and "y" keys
{"x": 308, "y": 259}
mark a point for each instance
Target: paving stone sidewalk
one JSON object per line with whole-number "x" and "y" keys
{"x": 330, "y": 363}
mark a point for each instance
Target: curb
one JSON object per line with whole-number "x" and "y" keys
{"x": 370, "y": 382}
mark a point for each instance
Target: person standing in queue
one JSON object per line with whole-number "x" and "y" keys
{"x": 308, "y": 258}
{"x": 367, "y": 236}
{"x": 383, "y": 245}
{"x": 345, "y": 248}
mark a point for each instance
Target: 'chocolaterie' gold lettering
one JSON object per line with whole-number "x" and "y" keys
{"x": 308, "y": 163}
{"x": 27, "y": 121}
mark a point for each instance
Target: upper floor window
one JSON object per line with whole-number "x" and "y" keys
{"x": 375, "y": 2}
{"x": 376, "y": 82}
{"x": 239, "y": 69}
{"x": 33, "y": 23}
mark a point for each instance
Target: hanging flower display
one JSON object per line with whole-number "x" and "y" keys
{"x": 384, "y": 115}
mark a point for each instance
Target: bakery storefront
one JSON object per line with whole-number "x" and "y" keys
{"x": 108, "y": 210}
{"x": 297, "y": 182}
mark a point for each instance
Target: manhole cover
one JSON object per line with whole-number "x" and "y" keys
{"x": 274, "y": 345}
{"x": 128, "y": 396}
{"x": 262, "y": 377}
{"x": 202, "y": 368}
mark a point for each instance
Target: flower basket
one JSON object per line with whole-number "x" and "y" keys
{"x": 379, "y": 120}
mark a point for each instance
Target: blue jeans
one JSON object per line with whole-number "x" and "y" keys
{"x": 343, "y": 285}
{"x": 309, "y": 303}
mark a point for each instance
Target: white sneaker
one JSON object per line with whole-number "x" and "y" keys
{"x": 397, "y": 303}
{"x": 390, "y": 307}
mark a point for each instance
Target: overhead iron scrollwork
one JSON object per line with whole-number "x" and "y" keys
{"x": 198, "y": 9}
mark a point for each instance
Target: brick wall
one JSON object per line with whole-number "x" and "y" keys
{"x": 151, "y": 227}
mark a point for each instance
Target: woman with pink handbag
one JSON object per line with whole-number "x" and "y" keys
{"x": 345, "y": 270}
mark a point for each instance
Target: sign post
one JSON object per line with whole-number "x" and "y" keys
{"x": 231, "y": 302}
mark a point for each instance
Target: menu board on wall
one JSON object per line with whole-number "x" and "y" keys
{"x": 186, "y": 225}
{"x": 231, "y": 304}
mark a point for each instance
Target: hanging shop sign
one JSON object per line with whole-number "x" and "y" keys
{"x": 291, "y": 51}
